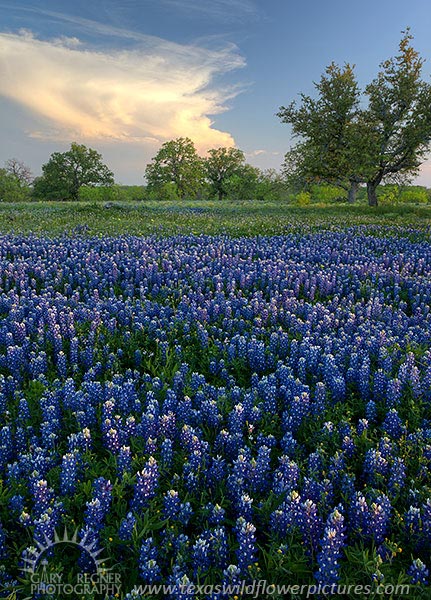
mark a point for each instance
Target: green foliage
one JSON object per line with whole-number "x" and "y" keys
{"x": 66, "y": 172}
{"x": 303, "y": 198}
{"x": 243, "y": 185}
{"x": 176, "y": 163}
{"x": 209, "y": 217}
{"x": 112, "y": 193}
{"x": 398, "y": 119}
{"x": 345, "y": 144}
{"x": 271, "y": 186}
{"x": 330, "y": 149}
{"x": 327, "y": 193}
{"x": 389, "y": 194}
{"x": 221, "y": 165}
{"x": 164, "y": 191}
{"x": 98, "y": 194}
{"x": 414, "y": 194}
{"x": 11, "y": 189}
{"x": 20, "y": 170}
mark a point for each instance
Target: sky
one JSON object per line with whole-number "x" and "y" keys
{"x": 125, "y": 76}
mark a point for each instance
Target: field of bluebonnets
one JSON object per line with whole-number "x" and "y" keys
{"x": 215, "y": 409}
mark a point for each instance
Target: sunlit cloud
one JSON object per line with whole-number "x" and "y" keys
{"x": 158, "y": 91}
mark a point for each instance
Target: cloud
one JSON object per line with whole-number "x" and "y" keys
{"x": 225, "y": 10}
{"x": 256, "y": 153}
{"x": 157, "y": 91}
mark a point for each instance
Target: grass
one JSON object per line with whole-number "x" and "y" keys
{"x": 244, "y": 218}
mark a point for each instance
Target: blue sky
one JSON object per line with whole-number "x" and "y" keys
{"x": 123, "y": 77}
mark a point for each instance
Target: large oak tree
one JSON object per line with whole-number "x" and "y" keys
{"x": 66, "y": 172}
{"x": 397, "y": 122}
{"x": 328, "y": 128}
{"x": 178, "y": 163}
{"x": 220, "y": 166}
{"x": 346, "y": 143}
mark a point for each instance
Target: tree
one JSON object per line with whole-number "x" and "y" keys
{"x": 66, "y": 172}
{"x": 178, "y": 163}
{"x": 244, "y": 184}
{"x": 19, "y": 170}
{"x": 398, "y": 119}
{"x": 330, "y": 149}
{"x": 11, "y": 189}
{"x": 272, "y": 186}
{"x": 342, "y": 142}
{"x": 220, "y": 166}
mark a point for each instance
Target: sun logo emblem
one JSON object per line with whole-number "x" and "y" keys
{"x": 34, "y": 554}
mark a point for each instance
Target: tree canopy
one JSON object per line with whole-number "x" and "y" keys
{"x": 344, "y": 143}
{"x": 20, "y": 171}
{"x": 176, "y": 163}
{"x": 397, "y": 121}
{"x": 220, "y": 166}
{"x": 66, "y": 172}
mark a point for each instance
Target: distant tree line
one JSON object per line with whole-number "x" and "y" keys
{"x": 175, "y": 173}
{"x": 348, "y": 141}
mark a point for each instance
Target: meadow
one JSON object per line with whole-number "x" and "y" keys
{"x": 213, "y": 394}
{"x": 207, "y": 217}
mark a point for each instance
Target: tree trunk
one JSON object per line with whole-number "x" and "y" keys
{"x": 371, "y": 191}
{"x": 353, "y": 191}
{"x": 220, "y": 195}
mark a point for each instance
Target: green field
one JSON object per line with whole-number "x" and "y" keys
{"x": 199, "y": 217}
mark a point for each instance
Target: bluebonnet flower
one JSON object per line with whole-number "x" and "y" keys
{"x": 166, "y": 453}
{"x": 380, "y": 513}
{"x": 260, "y": 470}
{"x": 331, "y": 548}
{"x": 146, "y": 485}
{"x": 362, "y": 426}
{"x": 216, "y": 514}
{"x": 375, "y": 465}
{"x": 246, "y": 536}
{"x": 69, "y": 473}
{"x": 185, "y": 512}
{"x": 393, "y": 393}
{"x": 16, "y": 504}
{"x": 149, "y": 569}
{"x": 219, "y": 547}
{"x": 393, "y": 424}
{"x": 310, "y": 525}
{"x": 286, "y": 476}
{"x": 171, "y": 502}
{"x": 124, "y": 461}
{"x": 126, "y": 527}
{"x": 102, "y": 490}
{"x": 44, "y": 527}
{"x": 231, "y": 575}
{"x": 244, "y": 507}
{"x": 371, "y": 411}
{"x": 3, "y": 549}
{"x": 201, "y": 555}
{"x": 397, "y": 476}
{"x": 216, "y": 471}
{"x": 418, "y": 572}
{"x": 94, "y": 514}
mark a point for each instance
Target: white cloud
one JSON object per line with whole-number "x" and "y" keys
{"x": 226, "y": 10}
{"x": 156, "y": 92}
{"x": 256, "y": 153}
